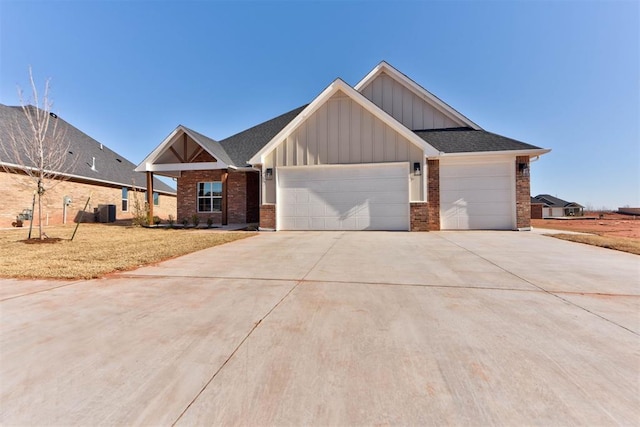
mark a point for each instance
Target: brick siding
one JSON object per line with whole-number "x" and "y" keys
{"x": 523, "y": 195}
{"x": 17, "y": 194}
{"x": 419, "y": 216}
{"x": 433, "y": 192}
{"x": 536, "y": 211}
{"x": 242, "y": 197}
{"x": 268, "y": 216}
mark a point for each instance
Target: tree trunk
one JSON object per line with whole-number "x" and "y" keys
{"x": 40, "y": 192}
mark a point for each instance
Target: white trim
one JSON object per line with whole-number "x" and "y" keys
{"x": 164, "y": 145}
{"x": 333, "y": 88}
{"x": 168, "y": 167}
{"x": 416, "y": 89}
{"x": 506, "y": 153}
{"x": 86, "y": 178}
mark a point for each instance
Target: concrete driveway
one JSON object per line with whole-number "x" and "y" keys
{"x": 334, "y": 328}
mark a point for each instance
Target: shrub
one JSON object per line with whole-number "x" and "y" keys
{"x": 185, "y": 221}
{"x": 209, "y": 222}
{"x": 195, "y": 219}
{"x": 156, "y": 220}
{"x": 171, "y": 220}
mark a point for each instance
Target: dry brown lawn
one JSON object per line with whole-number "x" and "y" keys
{"x": 624, "y": 244}
{"x": 99, "y": 249}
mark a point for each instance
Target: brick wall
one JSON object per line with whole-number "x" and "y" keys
{"x": 17, "y": 194}
{"x": 242, "y": 199}
{"x": 523, "y": 195}
{"x": 187, "y": 195}
{"x": 536, "y": 211}
{"x": 419, "y": 216}
{"x": 268, "y": 216}
{"x": 433, "y": 191}
{"x": 237, "y": 198}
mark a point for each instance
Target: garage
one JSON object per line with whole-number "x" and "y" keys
{"x": 477, "y": 196}
{"x": 343, "y": 197}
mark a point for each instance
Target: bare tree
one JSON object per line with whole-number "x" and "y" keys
{"x": 36, "y": 147}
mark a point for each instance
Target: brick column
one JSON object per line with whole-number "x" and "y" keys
{"x": 268, "y": 216}
{"x": 419, "y": 216}
{"x": 523, "y": 194}
{"x": 433, "y": 191}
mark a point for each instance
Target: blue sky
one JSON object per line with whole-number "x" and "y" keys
{"x": 563, "y": 75}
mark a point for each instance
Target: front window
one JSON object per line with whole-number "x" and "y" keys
{"x": 125, "y": 199}
{"x": 156, "y": 199}
{"x": 210, "y": 196}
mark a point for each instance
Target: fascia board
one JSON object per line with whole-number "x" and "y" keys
{"x": 334, "y": 87}
{"x": 168, "y": 167}
{"x": 145, "y": 165}
{"x": 415, "y": 88}
{"x": 158, "y": 150}
{"x": 258, "y": 158}
{"x": 504, "y": 153}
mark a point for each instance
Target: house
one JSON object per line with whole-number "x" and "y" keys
{"x": 553, "y": 207}
{"x": 385, "y": 154}
{"x": 95, "y": 170}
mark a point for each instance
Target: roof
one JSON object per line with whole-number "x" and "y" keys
{"x": 244, "y": 145}
{"x": 248, "y": 147}
{"x": 338, "y": 85}
{"x": 110, "y": 167}
{"x": 554, "y": 201}
{"x": 467, "y": 140}
{"x": 535, "y": 201}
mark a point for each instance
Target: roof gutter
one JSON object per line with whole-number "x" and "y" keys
{"x": 531, "y": 153}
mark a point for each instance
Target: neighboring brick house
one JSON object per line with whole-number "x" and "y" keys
{"x": 553, "y": 207}
{"x": 383, "y": 155}
{"x": 96, "y": 170}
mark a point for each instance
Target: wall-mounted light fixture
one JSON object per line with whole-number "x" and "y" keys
{"x": 268, "y": 173}
{"x": 523, "y": 169}
{"x": 417, "y": 169}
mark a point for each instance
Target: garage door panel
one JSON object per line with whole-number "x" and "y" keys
{"x": 477, "y": 170}
{"x": 476, "y": 196}
{"x": 353, "y": 197}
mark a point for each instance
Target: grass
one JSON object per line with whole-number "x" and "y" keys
{"x": 623, "y": 244}
{"x": 99, "y": 249}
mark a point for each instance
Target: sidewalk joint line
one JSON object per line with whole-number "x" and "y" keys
{"x": 255, "y": 326}
{"x": 540, "y": 287}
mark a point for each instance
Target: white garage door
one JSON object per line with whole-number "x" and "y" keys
{"x": 343, "y": 197}
{"x": 477, "y": 196}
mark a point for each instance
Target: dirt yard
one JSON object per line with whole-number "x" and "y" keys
{"x": 610, "y": 225}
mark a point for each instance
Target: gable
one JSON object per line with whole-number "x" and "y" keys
{"x": 183, "y": 149}
{"x": 405, "y": 106}
{"x": 341, "y": 131}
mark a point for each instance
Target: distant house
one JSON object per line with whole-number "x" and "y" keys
{"x": 385, "y": 154}
{"x": 97, "y": 170}
{"x": 553, "y": 207}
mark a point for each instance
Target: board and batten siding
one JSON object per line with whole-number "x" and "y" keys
{"x": 343, "y": 132}
{"x": 405, "y": 106}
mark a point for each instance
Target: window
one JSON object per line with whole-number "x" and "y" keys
{"x": 125, "y": 199}
{"x": 156, "y": 199}
{"x": 210, "y": 196}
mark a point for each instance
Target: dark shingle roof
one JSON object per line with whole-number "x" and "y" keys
{"x": 467, "y": 140}
{"x": 535, "y": 201}
{"x": 242, "y": 146}
{"x": 554, "y": 201}
{"x": 109, "y": 165}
